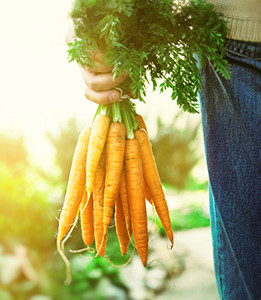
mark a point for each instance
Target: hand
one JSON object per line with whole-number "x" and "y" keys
{"x": 100, "y": 86}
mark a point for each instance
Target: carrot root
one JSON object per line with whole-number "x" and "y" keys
{"x": 153, "y": 181}
{"x": 135, "y": 190}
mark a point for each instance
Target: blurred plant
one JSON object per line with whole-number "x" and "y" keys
{"x": 175, "y": 151}
{"x": 64, "y": 144}
{"x": 95, "y": 277}
{"x": 190, "y": 217}
{"x": 88, "y": 275}
{"x": 13, "y": 152}
{"x": 194, "y": 184}
{"x": 21, "y": 275}
{"x": 25, "y": 214}
{"x": 184, "y": 218}
{"x": 27, "y": 226}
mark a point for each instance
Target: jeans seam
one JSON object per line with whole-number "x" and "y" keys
{"x": 249, "y": 49}
{"x": 220, "y": 224}
{"x": 242, "y": 55}
{"x": 240, "y": 47}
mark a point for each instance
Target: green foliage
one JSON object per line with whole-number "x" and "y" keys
{"x": 25, "y": 215}
{"x": 27, "y": 222}
{"x": 159, "y": 38}
{"x": 174, "y": 150}
{"x": 193, "y": 184}
{"x": 88, "y": 272}
{"x": 22, "y": 206}
{"x": 91, "y": 270}
{"x": 5, "y": 295}
{"x": 190, "y": 217}
{"x": 113, "y": 249}
{"x": 186, "y": 218}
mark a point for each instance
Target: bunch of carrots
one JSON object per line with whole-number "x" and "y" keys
{"x": 113, "y": 172}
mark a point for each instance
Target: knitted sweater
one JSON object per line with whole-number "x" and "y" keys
{"x": 243, "y": 16}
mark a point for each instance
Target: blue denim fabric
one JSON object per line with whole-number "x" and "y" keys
{"x": 231, "y": 119}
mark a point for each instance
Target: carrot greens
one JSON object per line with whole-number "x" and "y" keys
{"x": 153, "y": 41}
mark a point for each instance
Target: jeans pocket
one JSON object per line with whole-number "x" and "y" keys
{"x": 244, "y": 49}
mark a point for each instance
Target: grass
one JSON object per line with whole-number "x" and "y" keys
{"x": 185, "y": 218}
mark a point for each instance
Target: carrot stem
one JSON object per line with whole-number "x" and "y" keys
{"x": 134, "y": 121}
{"x": 98, "y": 111}
{"x": 104, "y": 110}
{"x": 116, "y": 112}
{"x": 128, "y": 124}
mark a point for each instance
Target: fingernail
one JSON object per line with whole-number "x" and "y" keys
{"x": 113, "y": 97}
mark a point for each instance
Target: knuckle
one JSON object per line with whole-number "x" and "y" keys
{"x": 92, "y": 83}
{"x": 87, "y": 94}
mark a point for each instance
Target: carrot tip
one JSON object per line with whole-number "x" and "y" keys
{"x": 101, "y": 245}
{"x": 144, "y": 263}
{"x": 170, "y": 246}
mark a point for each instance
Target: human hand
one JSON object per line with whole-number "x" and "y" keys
{"x": 100, "y": 85}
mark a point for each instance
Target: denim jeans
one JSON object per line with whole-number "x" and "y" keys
{"x": 231, "y": 121}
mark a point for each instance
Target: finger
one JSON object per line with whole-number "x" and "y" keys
{"x": 99, "y": 68}
{"x": 101, "y": 81}
{"x": 103, "y": 97}
{"x": 98, "y": 56}
{"x": 99, "y": 65}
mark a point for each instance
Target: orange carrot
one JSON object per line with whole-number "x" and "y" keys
{"x": 124, "y": 201}
{"x": 153, "y": 181}
{"x": 114, "y": 160}
{"x": 135, "y": 190}
{"x": 96, "y": 144}
{"x": 75, "y": 186}
{"x": 98, "y": 195}
{"x": 121, "y": 227}
{"x": 87, "y": 219}
{"x": 147, "y": 193}
{"x": 141, "y": 122}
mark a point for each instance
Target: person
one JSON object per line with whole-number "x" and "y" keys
{"x": 231, "y": 122}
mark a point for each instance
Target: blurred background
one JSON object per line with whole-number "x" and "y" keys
{"x": 42, "y": 110}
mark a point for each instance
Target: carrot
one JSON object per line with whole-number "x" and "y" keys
{"x": 153, "y": 181}
{"x": 141, "y": 121}
{"x": 121, "y": 228}
{"x": 96, "y": 144}
{"x": 87, "y": 219}
{"x": 114, "y": 160}
{"x": 98, "y": 194}
{"x": 135, "y": 190}
{"x": 125, "y": 202}
{"x": 75, "y": 186}
{"x": 147, "y": 193}
{"x": 142, "y": 124}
